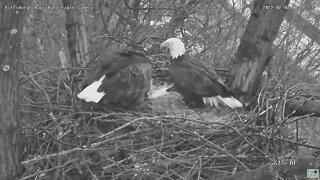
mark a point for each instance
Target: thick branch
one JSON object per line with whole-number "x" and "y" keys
{"x": 302, "y": 107}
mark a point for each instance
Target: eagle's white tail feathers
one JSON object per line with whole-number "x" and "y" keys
{"x": 230, "y": 101}
{"x": 90, "y": 93}
{"x": 211, "y": 100}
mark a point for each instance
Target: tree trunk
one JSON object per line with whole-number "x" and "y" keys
{"x": 10, "y": 30}
{"x": 77, "y": 33}
{"x": 255, "y": 47}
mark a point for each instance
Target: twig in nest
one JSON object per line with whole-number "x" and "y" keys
{"x": 216, "y": 146}
{"x": 39, "y": 173}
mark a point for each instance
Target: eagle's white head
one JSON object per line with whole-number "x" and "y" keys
{"x": 175, "y": 46}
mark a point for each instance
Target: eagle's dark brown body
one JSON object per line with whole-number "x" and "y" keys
{"x": 197, "y": 83}
{"x": 127, "y": 79}
{"x": 194, "y": 80}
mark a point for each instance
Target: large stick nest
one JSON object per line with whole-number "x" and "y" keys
{"x": 66, "y": 140}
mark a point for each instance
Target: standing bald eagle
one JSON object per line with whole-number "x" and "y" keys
{"x": 197, "y": 83}
{"x": 121, "y": 80}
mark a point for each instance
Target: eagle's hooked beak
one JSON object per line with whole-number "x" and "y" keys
{"x": 163, "y": 45}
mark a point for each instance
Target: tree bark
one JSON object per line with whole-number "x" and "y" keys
{"x": 77, "y": 33}
{"x": 255, "y": 47}
{"x": 10, "y": 30}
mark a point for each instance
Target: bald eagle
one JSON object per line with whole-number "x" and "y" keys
{"x": 197, "y": 83}
{"x": 122, "y": 80}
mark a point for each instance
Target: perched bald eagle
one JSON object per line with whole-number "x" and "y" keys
{"x": 121, "y": 80}
{"x": 197, "y": 83}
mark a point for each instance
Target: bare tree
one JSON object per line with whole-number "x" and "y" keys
{"x": 10, "y": 30}
{"x": 255, "y": 48}
{"x": 302, "y": 106}
{"x": 77, "y": 33}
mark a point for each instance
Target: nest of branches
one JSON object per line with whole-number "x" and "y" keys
{"x": 170, "y": 141}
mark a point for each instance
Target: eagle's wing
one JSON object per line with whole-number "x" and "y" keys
{"x": 121, "y": 79}
{"x": 111, "y": 64}
{"x": 128, "y": 86}
{"x": 194, "y": 76}
{"x": 210, "y": 72}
